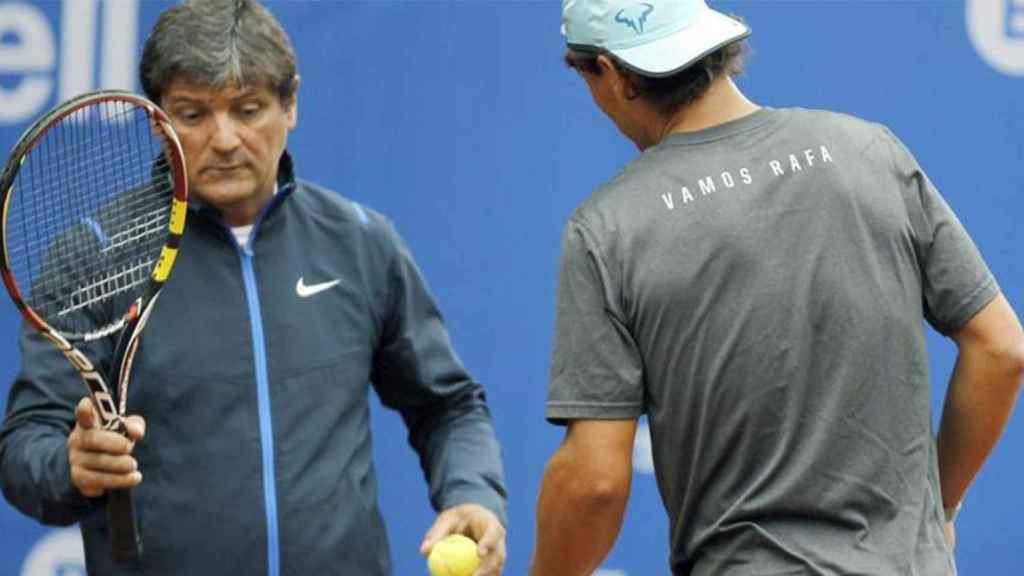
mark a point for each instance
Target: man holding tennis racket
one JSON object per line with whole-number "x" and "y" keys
{"x": 248, "y": 443}
{"x": 755, "y": 283}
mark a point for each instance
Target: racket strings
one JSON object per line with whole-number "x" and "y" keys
{"x": 89, "y": 214}
{"x": 55, "y": 184}
{"x": 125, "y": 279}
{"x": 134, "y": 202}
{"x": 138, "y": 229}
{"x": 156, "y": 226}
{"x": 85, "y": 167}
{"x": 154, "y": 223}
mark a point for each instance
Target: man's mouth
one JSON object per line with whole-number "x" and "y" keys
{"x": 223, "y": 169}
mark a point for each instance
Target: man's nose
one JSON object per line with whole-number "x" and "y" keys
{"x": 225, "y": 134}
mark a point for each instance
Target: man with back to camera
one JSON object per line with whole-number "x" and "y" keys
{"x": 755, "y": 282}
{"x": 286, "y": 300}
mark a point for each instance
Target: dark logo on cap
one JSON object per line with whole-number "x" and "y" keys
{"x": 635, "y": 16}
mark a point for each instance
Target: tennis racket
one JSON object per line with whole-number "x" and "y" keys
{"x": 94, "y": 204}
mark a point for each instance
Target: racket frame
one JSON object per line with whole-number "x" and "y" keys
{"x": 124, "y": 530}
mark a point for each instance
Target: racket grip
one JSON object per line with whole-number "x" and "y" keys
{"x": 124, "y": 530}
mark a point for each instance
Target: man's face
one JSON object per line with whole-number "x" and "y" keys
{"x": 233, "y": 139}
{"x": 608, "y": 91}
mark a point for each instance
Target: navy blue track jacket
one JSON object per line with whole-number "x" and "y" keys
{"x": 253, "y": 376}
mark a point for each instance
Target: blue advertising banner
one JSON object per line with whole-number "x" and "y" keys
{"x": 458, "y": 119}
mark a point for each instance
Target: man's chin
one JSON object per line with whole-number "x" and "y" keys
{"x": 224, "y": 195}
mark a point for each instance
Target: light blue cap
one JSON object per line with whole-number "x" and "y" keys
{"x": 653, "y": 37}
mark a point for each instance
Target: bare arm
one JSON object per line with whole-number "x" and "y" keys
{"x": 982, "y": 392}
{"x": 583, "y": 497}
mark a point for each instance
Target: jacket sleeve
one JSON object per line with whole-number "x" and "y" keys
{"x": 417, "y": 372}
{"x": 34, "y": 472}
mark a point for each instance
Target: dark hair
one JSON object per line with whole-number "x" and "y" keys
{"x": 215, "y": 42}
{"x": 668, "y": 94}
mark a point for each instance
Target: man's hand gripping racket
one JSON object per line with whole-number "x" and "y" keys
{"x": 94, "y": 203}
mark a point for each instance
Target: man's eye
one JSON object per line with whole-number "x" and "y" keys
{"x": 189, "y": 115}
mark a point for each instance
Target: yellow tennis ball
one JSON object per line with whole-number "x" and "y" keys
{"x": 453, "y": 555}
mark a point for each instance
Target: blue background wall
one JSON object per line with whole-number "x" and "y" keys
{"x": 458, "y": 119}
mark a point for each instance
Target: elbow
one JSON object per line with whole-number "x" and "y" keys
{"x": 1008, "y": 358}
{"x": 597, "y": 497}
{"x": 590, "y": 488}
{"x": 1015, "y": 362}
{"x": 604, "y": 493}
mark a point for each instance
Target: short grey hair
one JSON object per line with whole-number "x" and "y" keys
{"x": 215, "y": 42}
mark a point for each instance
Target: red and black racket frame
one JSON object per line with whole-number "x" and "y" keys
{"x": 125, "y": 538}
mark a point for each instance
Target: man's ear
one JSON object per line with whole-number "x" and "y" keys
{"x": 293, "y": 106}
{"x": 608, "y": 67}
{"x": 606, "y": 64}
{"x": 622, "y": 81}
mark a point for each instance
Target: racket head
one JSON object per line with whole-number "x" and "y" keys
{"x": 94, "y": 198}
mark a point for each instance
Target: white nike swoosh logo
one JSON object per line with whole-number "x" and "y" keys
{"x": 306, "y": 291}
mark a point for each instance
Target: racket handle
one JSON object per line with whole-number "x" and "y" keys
{"x": 124, "y": 531}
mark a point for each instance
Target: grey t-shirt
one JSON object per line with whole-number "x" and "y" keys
{"x": 758, "y": 289}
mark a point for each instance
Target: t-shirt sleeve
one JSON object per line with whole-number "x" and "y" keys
{"x": 956, "y": 282}
{"x": 596, "y": 370}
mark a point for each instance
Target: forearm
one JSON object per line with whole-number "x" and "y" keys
{"x": 579, "y": 515}
{"x": 34, "y": 471}
{"x": 35, "y": 476}
{"x": 462, "y": 460}
{"x": 417, "y": 372}
{"x": 981, "y": 396}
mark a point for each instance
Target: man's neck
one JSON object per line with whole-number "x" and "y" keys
{"x": 722, "y": 103}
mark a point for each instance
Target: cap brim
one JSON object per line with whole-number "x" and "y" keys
{"x": 668, "y": 55}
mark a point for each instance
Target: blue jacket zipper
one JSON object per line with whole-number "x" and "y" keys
{"x": 259, "y": 352}
{"x": 263, "y": 399}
